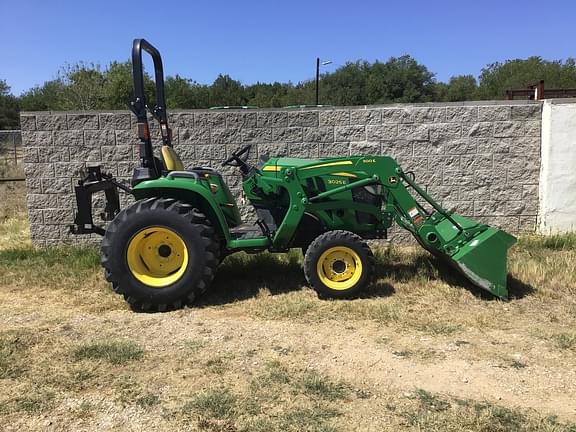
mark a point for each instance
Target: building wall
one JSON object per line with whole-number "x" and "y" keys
{"x": 558, "y": 170}
{"x": 482, "y": 159}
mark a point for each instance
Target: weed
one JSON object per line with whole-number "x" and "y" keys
{"x": 219, "y": 403}
{"x": 431, "y": 402}
{"x": 114, "y": 352}
{"x": 565, "y": 341}
{"x": 194, "y": 345}
{"x": 565, "y": 241}
{"x": 148, "y": 400}
{"x": 312, "y": 419}
{"x": 219, "y": 364}
{"x": 13, "y": 346}
{"x": 316, "y": 385}
{"x": 35, "y": 401}
{"x": 438, "y": 413}
{"x": 436, "y": 327}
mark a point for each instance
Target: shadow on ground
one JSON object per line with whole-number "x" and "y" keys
{"x": 427, "y": 267}
{"x": 243, "y": 277}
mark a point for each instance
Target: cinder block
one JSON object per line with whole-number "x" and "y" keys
{"x": 257, "y": 135}
{"x": 272, "y": 119}
{"x": 365, "y": 116}
{"x": 350, "y": 133}
{"x": 303, "y": 118}
{"x": 287, "y": 134}
{"x": 82, "y": 121}
{"x": 114, "y": 121}
{"x": 210, "y": 120}
{"x": 27, "y": 122}
{"x": 51, "y": 122}
{"x": 194, "y": 136}
{"x": 334, "y": 118}
{"x": 381, "y": 132}
{"x": 241, "y": 120}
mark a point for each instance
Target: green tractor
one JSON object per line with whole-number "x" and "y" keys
{"x": 163, "y": 251}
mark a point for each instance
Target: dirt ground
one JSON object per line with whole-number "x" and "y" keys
{"x": 261, "y": 352}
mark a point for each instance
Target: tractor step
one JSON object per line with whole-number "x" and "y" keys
{"x": 246, "y": 231}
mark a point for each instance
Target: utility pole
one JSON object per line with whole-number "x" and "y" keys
{"x": 324, "y": 63}
{"x": 317, "y": 79}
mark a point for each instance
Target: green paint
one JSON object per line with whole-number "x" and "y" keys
{"x": 325, "y": 190}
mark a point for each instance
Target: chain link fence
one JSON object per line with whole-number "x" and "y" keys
{"x": 11, "y": 156}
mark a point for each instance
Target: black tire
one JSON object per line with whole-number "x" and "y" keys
{"x": 342, "y": 249}
{"x": 190, "y": 227}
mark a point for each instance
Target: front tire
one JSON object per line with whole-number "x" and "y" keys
{"x": 338, "y": 264}
{"x": 160, "y": 254}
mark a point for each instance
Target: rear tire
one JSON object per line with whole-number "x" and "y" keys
{"x": 338, "y": 264}
{"x": 160, "y": 254}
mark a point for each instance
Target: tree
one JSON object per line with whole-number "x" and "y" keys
{"x": 9, "y": 108}
{"x": 226, "y": 92}
{"x": 45, "y": 97}
{"x": 84, "y": 87}
{"x": 185, "y": 93}
{"x": 400, "y": 79}
{"x": 497, "y": 77}
{"x": 460, "y": 88}
{"x": 118, "y": 87}
{"x": 346, "y": 86}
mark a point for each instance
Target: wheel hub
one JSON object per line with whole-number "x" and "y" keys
{"x": 164, "y": 251}
{"x": 339, "y": 267}
{"x": 157, "y": 256}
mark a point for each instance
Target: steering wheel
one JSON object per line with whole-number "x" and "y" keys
{"x": 239, "y": 158}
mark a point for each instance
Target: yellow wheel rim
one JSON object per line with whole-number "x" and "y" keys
{"x": 157, "y": 256}
{"x": 339, "y": 268}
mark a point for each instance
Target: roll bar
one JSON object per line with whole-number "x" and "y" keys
{"x": 138, "y": 103}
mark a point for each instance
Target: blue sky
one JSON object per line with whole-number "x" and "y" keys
{"x": 278, "y": 40}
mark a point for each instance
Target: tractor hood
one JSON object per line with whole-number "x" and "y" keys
{"x": 276, "y": 164}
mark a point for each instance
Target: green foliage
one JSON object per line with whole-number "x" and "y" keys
{"x": 498, "y": 77}
{"x": 398, "y": 80}
{"x": 9, "y": 108}
{"x": 460, "y": 88}
{"x": 43, "y": 98}
{"x": 226, "y": 91}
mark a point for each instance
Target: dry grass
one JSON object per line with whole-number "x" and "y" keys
{"x": 421, "y": 350}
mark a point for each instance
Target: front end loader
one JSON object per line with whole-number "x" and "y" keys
{"x": 161, "y": 252}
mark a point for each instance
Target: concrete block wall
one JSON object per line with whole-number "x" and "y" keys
{"x": 482, "y": 159}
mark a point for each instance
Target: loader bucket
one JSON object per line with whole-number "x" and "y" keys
{"x": 483, "y": 260}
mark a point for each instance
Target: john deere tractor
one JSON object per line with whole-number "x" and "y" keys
{"x": 163, "y": 251}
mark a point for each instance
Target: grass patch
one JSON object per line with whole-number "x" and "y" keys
{"x": 34, "y": 402}
{"x": 13, "y": 349}
{"x": 219, "y": 364}
{"x": 433, "y": 412}
{"x": 318, "y": 386}
{"x": 194, "y": 345}
{"x": 436, "y": 327}
{"x": 33, "y": 260}
{"x": 213, "y": 404}
{"x": 566, "y": 241}
{"x": 114, "y": 352}
{"x": 421, "y": 354}
{"x": 312, "y": 419}
{"x": 565, "y": 341}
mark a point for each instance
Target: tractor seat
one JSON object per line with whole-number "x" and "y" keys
{"x": 172, "y": 161}
{"x": 173, "y": 164}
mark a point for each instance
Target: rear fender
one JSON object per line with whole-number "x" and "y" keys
{"x": 190, "y": 192}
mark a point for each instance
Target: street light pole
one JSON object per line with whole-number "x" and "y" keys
{"x": 324, "y": 63}
{"x": 317, "y": 78}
